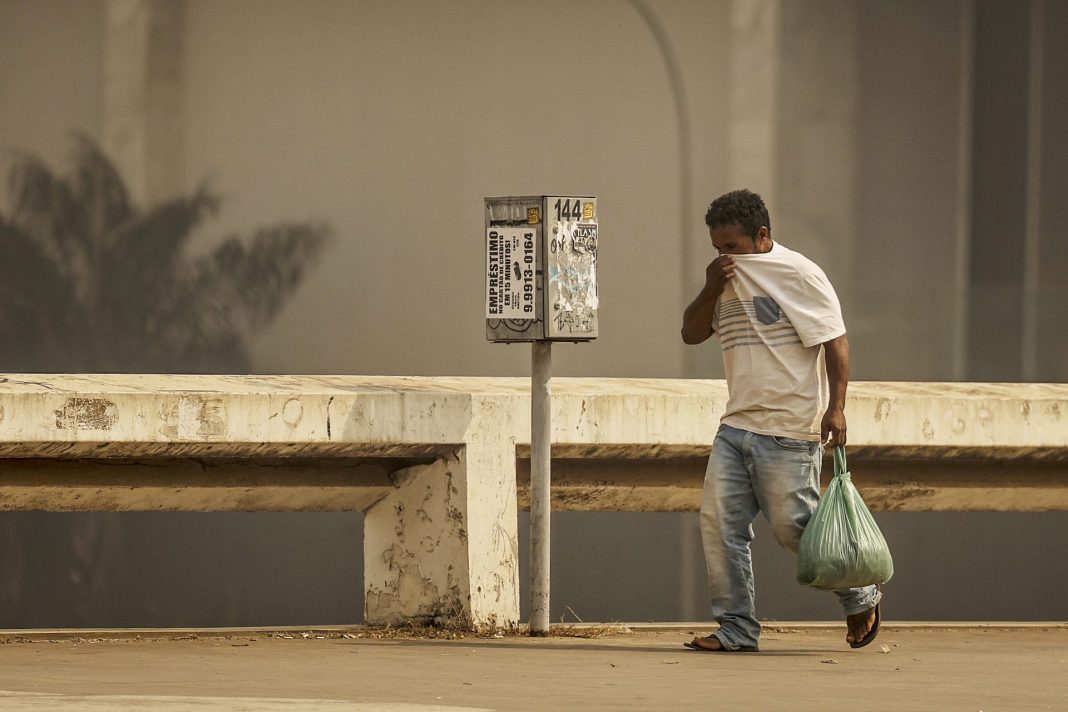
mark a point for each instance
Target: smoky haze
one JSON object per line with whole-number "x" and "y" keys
{"x": 915, "y": 150}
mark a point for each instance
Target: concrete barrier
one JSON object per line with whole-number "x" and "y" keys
{"x": 440, "y": 465}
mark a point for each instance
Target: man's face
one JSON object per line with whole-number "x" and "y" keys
{"x": 732, "y": 240}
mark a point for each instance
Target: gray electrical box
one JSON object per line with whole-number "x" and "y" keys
{"x": 541, "y": 268}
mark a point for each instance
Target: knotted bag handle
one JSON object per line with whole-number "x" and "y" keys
{"x": 840, "y": 468}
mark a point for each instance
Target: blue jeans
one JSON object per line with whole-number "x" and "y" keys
{"x": 749, "y": 473}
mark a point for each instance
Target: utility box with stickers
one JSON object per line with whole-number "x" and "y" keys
{"x": 541, "y": 268}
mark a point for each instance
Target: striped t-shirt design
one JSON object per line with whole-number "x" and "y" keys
{"x": 756, "y": 322}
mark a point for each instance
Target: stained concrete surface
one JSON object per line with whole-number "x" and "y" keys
{"x": 952, "y": 668}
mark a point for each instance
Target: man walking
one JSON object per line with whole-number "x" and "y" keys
{"x": 786, "y": 358}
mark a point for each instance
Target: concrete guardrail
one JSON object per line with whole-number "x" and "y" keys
{"x": 441, "y": 465}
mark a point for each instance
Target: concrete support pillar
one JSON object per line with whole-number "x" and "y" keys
{"x": 817, "y": 136}
{"x": 913, "y": 180}
{"x": 793, "y": 122}
{"x": 1051, "y": 302}
{"x": 755, "y": 65}
{"x": 442, "y": 547}
{"x": 143, "y": 124}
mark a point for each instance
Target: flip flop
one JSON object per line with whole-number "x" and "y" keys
{"x": 871, "y": 633}
{"x": 702, "y": 649}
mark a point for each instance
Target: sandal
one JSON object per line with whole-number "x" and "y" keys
{"x": 695, "y": 644}
{"x": 871, "y": 633}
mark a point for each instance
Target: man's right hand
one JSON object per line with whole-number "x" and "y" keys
{"x": 718, "y": 273}
{"x": 697, "y": 319}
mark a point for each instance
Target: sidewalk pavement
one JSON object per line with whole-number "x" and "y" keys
{"x": 909, "y": 667}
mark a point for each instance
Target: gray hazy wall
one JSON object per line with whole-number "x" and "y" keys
{"x": 392, "y": 120}
{"x": 1052, "y": 295}
{"x": 908, "y": 234}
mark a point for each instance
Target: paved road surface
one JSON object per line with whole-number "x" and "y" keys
{"x": 807, "y": 669}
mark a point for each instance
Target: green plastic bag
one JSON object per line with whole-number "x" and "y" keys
{"x": 842, "y": 546}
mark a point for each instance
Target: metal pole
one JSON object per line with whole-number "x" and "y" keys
{"x": 540, "y": 443}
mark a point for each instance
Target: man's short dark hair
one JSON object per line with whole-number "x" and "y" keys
{"x": 743, "y": 207}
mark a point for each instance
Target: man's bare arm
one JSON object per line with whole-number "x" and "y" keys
{"x": 833, "y": 427}
{"x": 697, "y": 319}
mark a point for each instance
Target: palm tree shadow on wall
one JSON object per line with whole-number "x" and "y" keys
{"x": 92, "y": 283}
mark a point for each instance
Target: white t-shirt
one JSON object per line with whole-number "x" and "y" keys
{"x": 771, "y": 320}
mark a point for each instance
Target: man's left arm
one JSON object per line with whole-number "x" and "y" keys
{"x": 833, "y": 427}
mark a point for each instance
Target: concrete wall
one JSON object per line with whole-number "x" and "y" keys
{"x": 52, "y": 77}
{"x": 1052, "y": 259}
{"x": 905, "y": 319}
{"x": 393, "y": 120}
